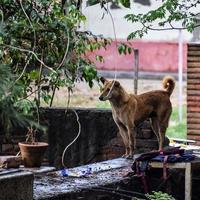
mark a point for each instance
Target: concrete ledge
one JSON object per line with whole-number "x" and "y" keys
{"x": 53, "y": 186}
{"x": 16, "y": 186}
{"x": 40, "y": 170}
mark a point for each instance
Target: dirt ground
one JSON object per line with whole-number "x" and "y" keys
{"x": 85, "y": 97}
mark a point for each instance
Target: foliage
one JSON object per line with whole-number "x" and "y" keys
{"x": 166, "y": 16}
{"x": 124, "y": 49}
{"x": 43, "y": 47}
{"x": 159, "y": 196}
{"x": 41, "y": 50}
{"x": 156, "y": 196}
{"x": 124, "y": 3}
{"x": 9, "y": 91}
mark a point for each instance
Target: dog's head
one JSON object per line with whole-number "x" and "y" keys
{"x": 109, "y": 89}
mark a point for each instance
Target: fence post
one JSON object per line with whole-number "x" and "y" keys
{"x": 136, "y": 69}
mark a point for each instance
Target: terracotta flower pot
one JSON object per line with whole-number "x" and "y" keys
{"x": 32, "y": 154}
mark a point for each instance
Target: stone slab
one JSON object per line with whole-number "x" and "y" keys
{"x": 10, "y": 161}
{"x": 16, "y": 185}
{"x": 42, "y": 169}
{"x": 54, "y": 186}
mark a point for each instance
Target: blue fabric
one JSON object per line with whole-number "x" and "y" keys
{"x": 173, "y": 155}
{"x": 174, "y": 158}
{"x": 64, "y": 172}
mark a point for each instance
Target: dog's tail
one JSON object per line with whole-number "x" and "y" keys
{"x": 169, "y": 84}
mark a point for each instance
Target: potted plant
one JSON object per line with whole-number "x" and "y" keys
{"x": 32, "y": 152}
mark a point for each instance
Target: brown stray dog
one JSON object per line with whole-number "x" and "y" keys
{"x": 130, "y": 110}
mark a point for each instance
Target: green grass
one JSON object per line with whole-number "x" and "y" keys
{"x": 177, "y": 129}
{"x": 103, "y": 104}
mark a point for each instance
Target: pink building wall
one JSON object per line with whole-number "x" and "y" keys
{"x": 153, "y": 57}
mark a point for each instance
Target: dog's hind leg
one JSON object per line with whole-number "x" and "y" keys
{"x": 156, "y": 128}
{"x": 163, "y": 127}
{"x": 164, "y": 117}
{"x": 159, "y": 129}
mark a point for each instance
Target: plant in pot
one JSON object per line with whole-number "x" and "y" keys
{"x": 32, "y": 152}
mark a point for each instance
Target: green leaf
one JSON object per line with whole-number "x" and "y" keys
{"x": 122, "y": 49}
{"x": 47, "y": 98}
{"x": 99, "y": 58}
{"x": 1, "y": 40}
{"x": 34, "y": 75}
{"x": 91, "y": 84}
{"x": 82, "y": 18}
{"x": 131, "y": 36}
{"x": 125, "y": 3}
{"x": 129, "y": 50}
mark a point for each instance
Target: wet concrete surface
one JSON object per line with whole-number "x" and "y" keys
{"x": 54, "y": 185}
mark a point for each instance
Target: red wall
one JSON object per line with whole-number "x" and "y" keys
{"x": 153, "y": 57}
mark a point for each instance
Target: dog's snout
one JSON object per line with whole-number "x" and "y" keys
{"x": 101, "y": 98}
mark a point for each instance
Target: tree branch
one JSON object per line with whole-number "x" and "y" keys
{"x": 171, "y": 28}
{"x": 28, "y": 51}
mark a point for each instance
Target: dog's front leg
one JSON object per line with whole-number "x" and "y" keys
{"x": 132, "y": 141}
{"x": 123, "y": 134}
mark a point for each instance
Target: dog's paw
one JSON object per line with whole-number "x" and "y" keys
{"x": 124, "y": 156}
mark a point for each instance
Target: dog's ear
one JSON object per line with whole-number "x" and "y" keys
{"x": 103, "y": 80}
{"x": 117, "y": 84}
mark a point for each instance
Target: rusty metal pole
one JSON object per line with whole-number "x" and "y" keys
{"x": 136, "y": 69}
